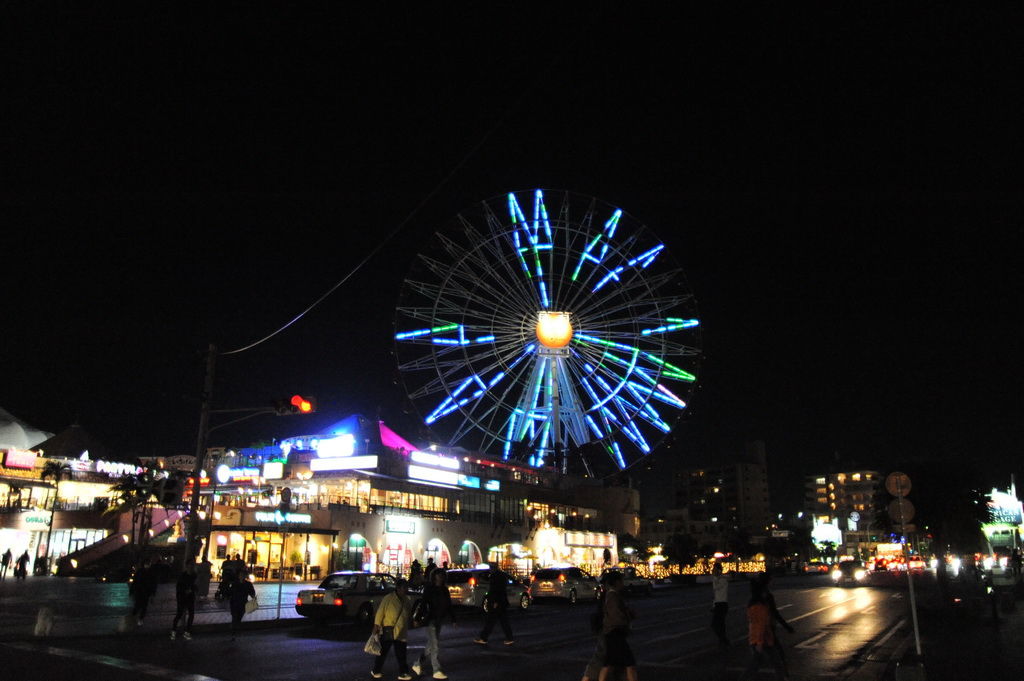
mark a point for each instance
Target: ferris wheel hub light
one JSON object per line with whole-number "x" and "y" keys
{"x": 554, "y": 330}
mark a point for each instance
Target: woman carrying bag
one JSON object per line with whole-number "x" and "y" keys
{"x": 392, "y": 623}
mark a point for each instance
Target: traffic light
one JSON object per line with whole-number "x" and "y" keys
{"x": 296, "y": 405}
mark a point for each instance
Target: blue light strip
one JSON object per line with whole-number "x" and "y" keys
{"x": 605, "y": 236}
{"x": 679, "y": 324}
{"x": 593, "y": 426}
{"x": 647, "y": 257}
{"x": 618, "y": 455}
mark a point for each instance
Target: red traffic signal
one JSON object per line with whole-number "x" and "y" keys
{"x": 304, "y": 405}
{"x": 296, "y": 405}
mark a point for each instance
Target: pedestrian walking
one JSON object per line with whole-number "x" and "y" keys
{"x": 496, "y": 605}
{"x": 5, "y": 563}
{"x": 392, "y": 623}
{"x": 720, "y": 604}
{"x": 439, "y": 610}
{"x": 616, "y": 617}
{"x": 415, "y": 574}
{"x": 429, "y": 568}
{"x": 185, "y": 596}
{"x": 142, "y": 588}
{"x": 593, "y": 668}
{"x": 21, "y": 566}
{"x": 764, "y": 580}
{"x": 240, "y": 591}
{"x": 761, "y": 636}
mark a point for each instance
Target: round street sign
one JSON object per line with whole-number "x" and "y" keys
{"x": 901, "y": 510}
{"x": 897, "y": 484}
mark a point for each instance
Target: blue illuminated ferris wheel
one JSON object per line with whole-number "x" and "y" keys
{"x": 540, "y": 331}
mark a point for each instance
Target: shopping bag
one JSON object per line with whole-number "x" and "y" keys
{"x": 250, "y": 606}
{"x": 373, "y": 644}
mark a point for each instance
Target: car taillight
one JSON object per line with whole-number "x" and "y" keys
{"x": 472, "y": 581}
{"x": 338, "y": 601}
{"x": 298, "y": 600}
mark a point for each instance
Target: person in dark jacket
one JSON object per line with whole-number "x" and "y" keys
{"x": 142, "y": 589}
{"x": 439, "y": 611}
{"x": 185, "y": 595}
{"x": 241, "y": 591}
{"x": 615, "y": 628}
{"x": 496, "y": 602}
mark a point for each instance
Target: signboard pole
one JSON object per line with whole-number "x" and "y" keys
{"x": 280, "y": 574}
{"x": 910, "y": 576}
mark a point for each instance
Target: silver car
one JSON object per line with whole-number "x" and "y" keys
{"x": 468, "y": 588}
{"x": 348, "y": 594}
{"x": 570, "y": 583}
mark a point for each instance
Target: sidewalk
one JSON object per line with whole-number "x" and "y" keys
{"x": 965, "y": 641}
{"x": 98, "y": 610}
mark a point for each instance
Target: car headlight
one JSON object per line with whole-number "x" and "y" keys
{"x": 859, "y": 575}
{"x": 837, "y": 575}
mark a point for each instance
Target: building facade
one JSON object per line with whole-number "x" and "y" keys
{"x": 842, "y": 508}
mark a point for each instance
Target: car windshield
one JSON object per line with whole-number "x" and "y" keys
{"x": 548, "y": 574}
{"x": 851, "y": 565}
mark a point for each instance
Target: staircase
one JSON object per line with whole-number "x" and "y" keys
{"x": 80, "y": 561}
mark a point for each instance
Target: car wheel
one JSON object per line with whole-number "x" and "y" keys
{"x": 524, "y": 602}
{"x": 365, "y": 615}
{"x": 572, "y": 595}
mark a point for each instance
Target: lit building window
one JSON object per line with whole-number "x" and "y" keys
{"x": 856, "y": 477}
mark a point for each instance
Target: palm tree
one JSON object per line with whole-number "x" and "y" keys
{"x": 57, "y": 470}
{"x": 133, "y": 493}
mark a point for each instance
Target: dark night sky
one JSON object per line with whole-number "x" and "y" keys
{"x": 843, "y": 191}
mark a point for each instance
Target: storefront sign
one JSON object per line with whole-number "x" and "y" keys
{"x": 429, "y": 459}
{"x": 343, "y": 445}
{"x": 278, "y": 518}
{"x": 469, "y": 481}
{"x": 433, "y": 475}
{"x": 590, "y": 539}
{"x": 1004, "y": 508}
{"x": 227, "y": 474}
{"x": 20, "y": 458}
{"x": 117, "y": 469}
{"x": 37, "y": 519}
{"x": 492, "y": 485}
{"x": 400, "y": 525}
{"x": 273, "y": 470}
{"x": 343, "y": 463}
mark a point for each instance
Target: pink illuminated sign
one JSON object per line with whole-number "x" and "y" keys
{"x": 20, "y": 458}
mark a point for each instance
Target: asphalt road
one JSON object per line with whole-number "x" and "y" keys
{"x": 840, "y": 633}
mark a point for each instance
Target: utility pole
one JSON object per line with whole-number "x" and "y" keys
{"x": 192, "y": 526}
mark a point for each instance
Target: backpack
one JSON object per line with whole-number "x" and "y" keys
{"x": 420, "y": 612}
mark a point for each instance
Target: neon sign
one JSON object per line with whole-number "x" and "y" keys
{"x": 400, "y": 525}
{"x": 20, "y": 458}
{"x": 278, "y": 517}
{"x": 342, "y": 463}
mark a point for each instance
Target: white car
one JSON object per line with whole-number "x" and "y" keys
{"x": 570, "y": 583}
{"x": 468, "y": 588}
{"x": 345, "y": 595}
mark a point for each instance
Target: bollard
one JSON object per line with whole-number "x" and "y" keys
{"x": 44, "y": 621}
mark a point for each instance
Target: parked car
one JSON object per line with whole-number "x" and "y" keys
{"x": 849, "y": 572}
{"x": 631, "y": 581}
{"x": 347, "y": 594}
{"x": 468, "y": 588}
{"x": 570, "y": 583}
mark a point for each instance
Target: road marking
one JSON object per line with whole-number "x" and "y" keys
{"x": 140, "y": 667}
{"x": 815, "y": 612}
{"x": 809, "y": 643}
{"x": 885, "y": 638}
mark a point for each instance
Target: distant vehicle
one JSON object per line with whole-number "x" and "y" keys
{"x": 348, "y": 594}
{"x": 916, "y": 563}
{"x": 631, "y": 581}
{"x": 815, "y": 567}
{"x": 468, "y": 588}
{"x": 849, "y": 572}
{"x": 570, "y": 583}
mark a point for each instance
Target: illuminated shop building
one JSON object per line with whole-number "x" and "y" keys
{"x": 78, "y": 513}
{"x": 360, "y": 497}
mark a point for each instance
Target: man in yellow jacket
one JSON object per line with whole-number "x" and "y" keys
{"x": 392, "y": 623}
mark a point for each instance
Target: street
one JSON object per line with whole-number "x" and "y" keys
{"x": 839, "y": 633}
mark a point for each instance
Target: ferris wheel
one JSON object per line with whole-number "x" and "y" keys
{"x": 539, "y": 335}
